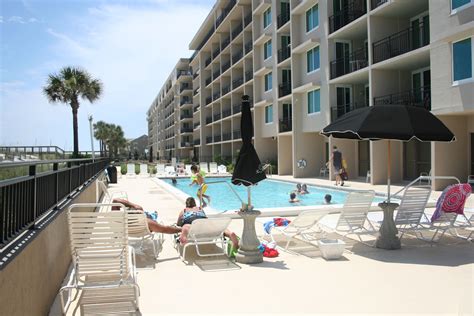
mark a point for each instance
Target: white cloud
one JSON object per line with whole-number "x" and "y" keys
{"x": 1, "y": 19}
{"x": 131, "y": 49}
{"x": 32, "y": 20}
{"x": 16, "y": 19}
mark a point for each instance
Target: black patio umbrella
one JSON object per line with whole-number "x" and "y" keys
{"x": 248, "y": 169}
{"x": 398, "y": 122}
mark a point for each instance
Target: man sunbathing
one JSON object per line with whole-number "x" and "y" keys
{"x": 153, "y": 225}
{"x": 190, "y": 213}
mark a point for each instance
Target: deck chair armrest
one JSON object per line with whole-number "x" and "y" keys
{"x": 95, "y": 205}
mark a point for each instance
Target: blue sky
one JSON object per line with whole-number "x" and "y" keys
{"x": 130, "y": 45}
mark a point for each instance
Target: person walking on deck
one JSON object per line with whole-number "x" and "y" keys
{"x": 336, "y": 158}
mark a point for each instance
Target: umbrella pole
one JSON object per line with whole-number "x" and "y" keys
{"x": 389, "y": 170}
{"x": 249, "y": 197}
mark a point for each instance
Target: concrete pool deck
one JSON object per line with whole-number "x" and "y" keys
{"x": 418, "y": 279}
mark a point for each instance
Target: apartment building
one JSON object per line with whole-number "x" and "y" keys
{"x": 307, "y": 62}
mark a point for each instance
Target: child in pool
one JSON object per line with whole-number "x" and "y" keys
{"x": 198, "y": 178}
{"x": 293, "y": 198}
{"x": 327, "y": 198}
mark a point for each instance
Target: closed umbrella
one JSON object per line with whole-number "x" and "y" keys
{"x": 248, "y": 169}
{"x": 397, "y": 122}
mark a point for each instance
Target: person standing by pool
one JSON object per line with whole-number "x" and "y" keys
{"x": 198, "y": 178}
{"x": 336, "y": 159}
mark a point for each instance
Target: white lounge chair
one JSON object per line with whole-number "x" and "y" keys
{"x": 170, "y": 171}
{"x": 411, "y": 217}
{"x": 101, "y": 257}
{"x": 108, "y": 194}
{"x": 131, "y": 170}
{"x": 144, "y": 170}
{"x": 426, "y": 177}
{"x": 353, "y": 218}
{"x": 213, "y": 168}
{"x": 300, "y": 226}
{"x": 206, "y": 231}
{"x": 369, "y": 176}
{"x": 138, "y": 229}
{"x": 160, "y": 169}
{"x": 203, "y": 166}
{"x": 187, "y": 169}
{"x": 221, "y": 169}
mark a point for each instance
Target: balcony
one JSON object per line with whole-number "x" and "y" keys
{"x": 183, "y": 73}
{"x": 209, "y": 140}
{"x": 197, "y": 142}
{"x": 186, "y": 116}
{"x": 207, "y": 62}
{"x": 236, "y": 109}
{"x": 216, "y": 74}
{"x": 225, "y": 43}
{"x": 216, "y": 96}
{"x": 236, "y": 134}
{"x": 209, "y": 119}
{"x": 185, "y": 101}
{"x": 339, "y": 110}
{"x": 237, "y": 56}
{"x": 208, "y": 100}
{"x": 185, "y": 144}
{"x": 355, "y": 61}
{"x": 354, "y": 10}
{"x": 185, "y": 86}
{"x": 186, "y": 130}
{"x": 284, "y": 53}
{"x": 284, "y": 89}
{"x": 225, "y": 66}
{"x": 217, "y": 138}
{"x": 195, "y": 92}
{"x": 283, "y": 18}
{"x": 401, "y": 42}
{"x": 196, "y": 125}
{"x": 248, "y": 75}
{"x": 285, "y": 125}
{"x": 237, "y": 83}
{"x": 377, "y": 3}
{"x": 237, "y": 31}
{"x": 420, "y": 97}
{"x": 247, "y": 20}
{"x": 226, "y": 136}
{"x": 195, "y": 75}
{"x": 226, "y": 113}
{"x": 216, "y": 52}
{"x": 216, "y": 117}
{"x": 226, "y": 89}
{"x": 196, "y": 108}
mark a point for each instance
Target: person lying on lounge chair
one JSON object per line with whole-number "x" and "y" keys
{"x": 192, "y": 212}
{"x": 153, "y": 225}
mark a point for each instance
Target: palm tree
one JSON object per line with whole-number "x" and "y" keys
{"x": 101, "y": 134}
{"x": 66, "y": 87}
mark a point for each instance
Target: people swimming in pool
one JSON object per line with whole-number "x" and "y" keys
{"x": 293, "y": 198}
{"x": 174, "y": 181}
{"x": 327, "y": 198}
{"x": 198, "y": 178}
{"x": 304, "y": 189}
{"x": 298, "y": 188}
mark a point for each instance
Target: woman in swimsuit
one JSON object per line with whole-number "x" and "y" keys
{"x": 192, "y": 212}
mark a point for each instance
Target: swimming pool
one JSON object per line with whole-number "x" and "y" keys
{"x": 267, "y": 194}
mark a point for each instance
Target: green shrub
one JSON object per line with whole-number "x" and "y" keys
{"x": 230, "y": 168}
{"x": 151, "y": 169}
{"x": 220, "y": 161}
{"x": 186, "y": 161}
{"x": 137, "y": 168}
{"x": 123, "y": 168}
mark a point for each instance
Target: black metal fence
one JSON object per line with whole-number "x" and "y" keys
{"x": 354, "y": 10}
{"x": 358, "y": 59}
{"x": 24, "y": 200}
{"x": 377, "y": 3}
{"x": 417, "y": 97}
{"x": 341, "y": 109}
{"x": 285, "y": 125}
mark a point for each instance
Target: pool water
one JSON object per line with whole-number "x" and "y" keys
{"x": 266, "y": 194}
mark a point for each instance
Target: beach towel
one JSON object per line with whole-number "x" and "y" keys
{"x": 278, "y": 221}
{"x": 452, "y": 200}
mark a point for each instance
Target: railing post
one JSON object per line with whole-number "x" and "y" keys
{"x": 70, "y": 177}
{"x": 56, "y": 184}
{"x": 32, "y": 172}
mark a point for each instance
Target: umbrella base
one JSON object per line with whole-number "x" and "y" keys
{"x": 388, "y": 238}
{"x": 248, "y": 251}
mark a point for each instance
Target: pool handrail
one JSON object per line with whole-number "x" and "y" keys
{"x": 231, "y": 188}
{"x": 430, "y": 178}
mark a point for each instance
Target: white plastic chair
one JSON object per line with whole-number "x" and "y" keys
{"x": 323, "y": 171}
{"x": 109, "y": 195}
{"x": 203, "y": 166}
{"x": 207, "y": 231}
{"x": 213, "y": 168}
{"x": 300, "y": 226}
{"x": 101, "y": 257}
{"x": 368, "y": 177}
{"x": 221, "y": 169}
{"x": 160, "y": 169}
{"x": 427, "y": 175}
{"x": 187, "y": 169}
{"x": 170, "y": 171}
{"x": 144, "y": 170}
{"x": 138, "y": 229}
{"x": 131, "y": 170}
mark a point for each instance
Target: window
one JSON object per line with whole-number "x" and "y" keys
{"x": 462, "y": 59}
{"x": 267, "y": 18}
{"x": 268, "y": 81}
{"x": 314, "y": 102}
{"x": 267, "y": 50}
{"x": 269, "y": 114}
{"x": 459, "y": 3}
{"x": 312, "y": 59}
{"x": 312, "y": 18}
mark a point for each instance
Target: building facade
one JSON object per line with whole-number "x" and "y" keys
{"x": 307, "y": 62}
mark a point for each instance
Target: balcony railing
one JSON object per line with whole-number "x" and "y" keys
{"x": 216, "y": 96}
{"x": 197, "y": 142}
{"x": 401, "y": 42}
{"x": 196, "y": 108}
{"x": 237, "y": 83}
{"x": 226, "y": 136}
{"x": 208, "y": 81}
{"x": 185, "y": 144}
{"x": 196, "y": 125}
{"x": 248, "y": 75}
{"x": 248, "y": 47}
{"x": 355, "y": 61}
{"x": 208, "y": 119}
{"x": 285, "y": 125}
{"x": 339, "y": 110}
{"x": 216, "y": 117}
{"x": 247, "y": 20}
{"x": 354, "y": 10}
{"x": 208, "y": 100}
{"x": 207, "y": 62}
{"x": 420, "y": 97}
{"x": 284, "y": 89}
{"x": 195, "y": 75}
{"x": 209, "y": 140}
{"x": 284, "y": 53}
{"x": 377, "y": 3}
{"x": 186, "y": 130}
{"x": 225, "y": 66}
{"x": 237, "y": 56}
{"x": 216, "y": 74}
{"x": 217, "y": 138}
{"x": 283, "y": 18}
{"x": 186, "y": 116}
{"x": 236, "y": 134}
{"x": 216, "y": 52}
{"x": 183, "y": 73}
{"x": 226, "y": 113}
{"x": 185, "y": 101}
{"x": 237, "y": 31}
{"x": 225, "y": 43}
{"x": 236, "y": 109}
{"x": 185, "y": 86}
{"x": 225, "y": 89}
{"x": 196, "y": 91}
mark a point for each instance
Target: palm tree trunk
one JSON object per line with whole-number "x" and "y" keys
{"x": 75, "y": 107}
